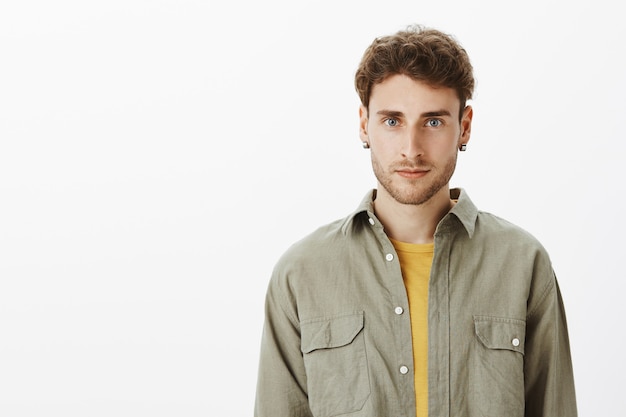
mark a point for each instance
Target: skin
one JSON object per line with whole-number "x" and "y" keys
{"x": 414, "y": 133}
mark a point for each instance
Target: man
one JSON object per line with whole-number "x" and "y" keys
{"x": 417, "y": 304}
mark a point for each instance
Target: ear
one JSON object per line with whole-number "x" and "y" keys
{"x": 466, "y": 125}
{"x": 363, "y": 119}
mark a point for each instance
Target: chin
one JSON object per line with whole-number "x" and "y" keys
{"x": 412, "y": 195}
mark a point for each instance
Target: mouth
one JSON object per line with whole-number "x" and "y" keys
{"x": 412, "y": 173}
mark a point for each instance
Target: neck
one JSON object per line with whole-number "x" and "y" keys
{"x": 412, "y": 223}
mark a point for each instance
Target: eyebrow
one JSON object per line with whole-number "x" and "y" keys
{"x": 390, "y": 113}
{"x": 441, "y": 112}
{"x": 398, "y": 114}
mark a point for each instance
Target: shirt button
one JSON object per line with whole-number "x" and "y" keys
{"x": 389, "y": 257}
{"x": 404, "y": 370}
{"x": 399, "y": 310}
{"x": 515, "y": 342}
{"x": 371, "y": 221}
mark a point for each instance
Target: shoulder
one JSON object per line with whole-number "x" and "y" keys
{"x": 317, "y": 258}
{"x": 514, "y": 248}
{"x": 310, "y": 264}
{"x": 315, "y": 246}
{"x": 492, "y": 227}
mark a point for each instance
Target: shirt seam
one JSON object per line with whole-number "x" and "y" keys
{"x": 543, "y": 296}
{"x": 282, "y": 302}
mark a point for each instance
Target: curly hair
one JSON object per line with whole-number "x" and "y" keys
{"x": 423, "y": 54}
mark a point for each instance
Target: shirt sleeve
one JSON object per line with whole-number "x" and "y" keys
{"x": 281, "y": 385}
{"x": 549, "y": 379}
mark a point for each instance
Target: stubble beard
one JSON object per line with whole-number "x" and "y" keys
{"x": 413, "y": 191}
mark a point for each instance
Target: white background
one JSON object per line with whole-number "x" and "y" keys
{"x": 157, "y": 157}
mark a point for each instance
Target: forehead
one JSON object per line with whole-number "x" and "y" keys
{"x": 402, "y": 93}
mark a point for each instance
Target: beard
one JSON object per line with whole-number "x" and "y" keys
{"x": 414, "y": 191}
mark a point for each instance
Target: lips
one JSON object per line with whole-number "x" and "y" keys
{"x": 412, "y": 173}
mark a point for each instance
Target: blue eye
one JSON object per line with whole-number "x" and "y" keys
{"x": 391, "y": 122}
{"x": 433, "y": 123}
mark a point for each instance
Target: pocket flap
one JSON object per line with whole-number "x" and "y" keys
{"x": 330, "y": 332}
{"x": 501, "y": 333}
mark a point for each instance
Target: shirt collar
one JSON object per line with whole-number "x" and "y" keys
{"x": 464, "y": 210}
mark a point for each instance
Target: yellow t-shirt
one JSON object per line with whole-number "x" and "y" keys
{"x": 415, "y": 262}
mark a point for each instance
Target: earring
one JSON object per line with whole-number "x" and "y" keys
{"x": 463, "y": 147}
{"x": 366, "y": 145}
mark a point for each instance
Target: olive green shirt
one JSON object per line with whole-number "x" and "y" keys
{"x": 337, "y": 333}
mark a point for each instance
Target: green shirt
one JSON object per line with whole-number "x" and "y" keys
{"x": 337, "y": 333}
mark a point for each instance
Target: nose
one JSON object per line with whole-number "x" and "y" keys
{"x": 412, "y": 146}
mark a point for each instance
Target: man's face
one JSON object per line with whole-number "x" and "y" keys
{"x": 414, "y": 134}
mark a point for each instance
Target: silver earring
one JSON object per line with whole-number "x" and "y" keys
{"x": 366, "y": 145}
{"x": 463, "y": 147}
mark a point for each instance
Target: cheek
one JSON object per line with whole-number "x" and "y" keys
{"x": 380, "y": 160}
{"x": 382, "y": 152}
{"x": 445, "y": 144}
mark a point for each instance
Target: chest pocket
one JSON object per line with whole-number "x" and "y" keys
{"x": 336, "y": 364}
{"x": 501, "y": 333}
{"x": 496, "y": 367}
